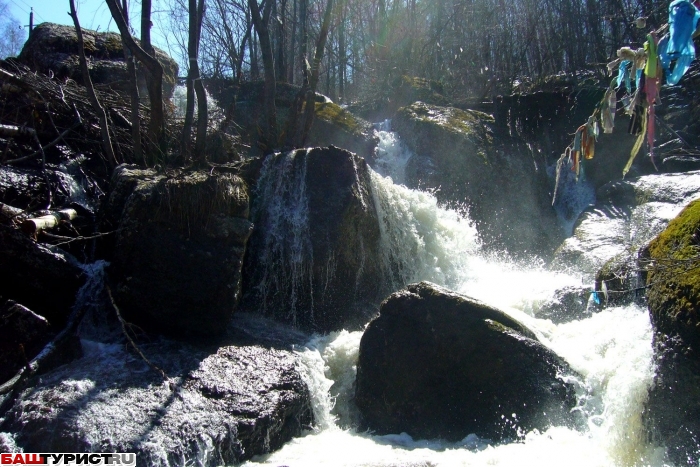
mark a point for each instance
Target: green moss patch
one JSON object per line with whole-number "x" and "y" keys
{"x": 466, "y": 122}
{"x": 336, "y": 115}
{"x": 674, "y": 276}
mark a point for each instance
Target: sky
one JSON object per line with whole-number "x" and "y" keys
{"x": 93, "y": 14}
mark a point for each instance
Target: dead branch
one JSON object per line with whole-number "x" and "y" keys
{"x": 9, "y": 389}
{"x": 80, "y": 238}
{"x": 44, "y": 148}
{"x": 123, "y": 323}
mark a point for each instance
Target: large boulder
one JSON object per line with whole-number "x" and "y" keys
{"x": 504, "y": 189}
{"x": 218, "y": 407}
{"x": 436, "y": 364}
{"x": 673, "y": 293}
{"x": 179, "y": 248}
{"x": 53, "y": 49}
{"x": 314, "y": 258}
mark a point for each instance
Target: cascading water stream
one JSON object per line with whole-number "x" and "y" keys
{"x": 611, "y": 350}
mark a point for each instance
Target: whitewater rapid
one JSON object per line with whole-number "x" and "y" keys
{"x": 611, "y": 350}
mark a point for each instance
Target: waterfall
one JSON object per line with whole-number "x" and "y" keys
{"x": 610, "y": 350}
{"x": 286, "y": 257}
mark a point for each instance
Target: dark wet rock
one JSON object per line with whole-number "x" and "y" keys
{"x": 436, "y": 364}
{"x": 619, "y": 281}
{"x": 219, "y": 407}
{"x": 626, "y": 216}
{"x": 30, "y": 189}
{"x": 45, "y": 279}
{"x": 567, "y": 304}
{"x": 53, "y": 49}
{"x": 672, "y": 414}
{"x": 23, "y": 334}
{"x": 7, "y": 443}
{"x": 680, "y": 164}
{"x": 179, "y": 249}
{"x": 505, "y": 190}
{"x": 21, "y": 187}
{"x": 314, "y": 257}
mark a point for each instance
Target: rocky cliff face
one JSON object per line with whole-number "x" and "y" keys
{"x": 503, "y": 188}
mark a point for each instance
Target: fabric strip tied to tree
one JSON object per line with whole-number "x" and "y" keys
{"x": 676, "y": 50}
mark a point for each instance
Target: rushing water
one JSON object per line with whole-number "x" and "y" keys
{"x": 611, "y": 350}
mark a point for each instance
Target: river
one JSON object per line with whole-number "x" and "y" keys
{"x": 611, "y": 350}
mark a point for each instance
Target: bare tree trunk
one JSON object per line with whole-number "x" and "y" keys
{"x": 104, "y": 128}
{"x": 310, "y": 106}
{"x": 281, "y": 15}
{"x": 254, "y": 67}
{"x": 292, "y": 131}
{"x": 200, "y": 148}
{"x": 155, "y": 84}
{"x": 186, "y": 139}
{"x": 261, "y": 24}
{"x": 342, "y": 52}
{"x": 155, "y": 81}
{"x": 134, "y": 93}
{"x": 292, "y": 48}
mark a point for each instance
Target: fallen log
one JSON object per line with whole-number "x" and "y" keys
{"x": 9, "y": 131}
{"x": 37, "y": 224}
{"x": 8, "y": 212}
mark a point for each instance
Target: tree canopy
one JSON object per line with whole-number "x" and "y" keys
{"x": 471, "y": 45}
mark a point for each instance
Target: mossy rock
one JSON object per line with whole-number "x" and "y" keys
{"x": 673, "y": 410}
{"x": 335, "y": 126}
{"x": 53, "y": 48}
{"x": 468, "y": 130}
{"x": 673, "y": 279}
{"x": 333, "y": 113}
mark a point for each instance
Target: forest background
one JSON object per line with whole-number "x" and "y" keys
{"x": 470, "y": 48}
